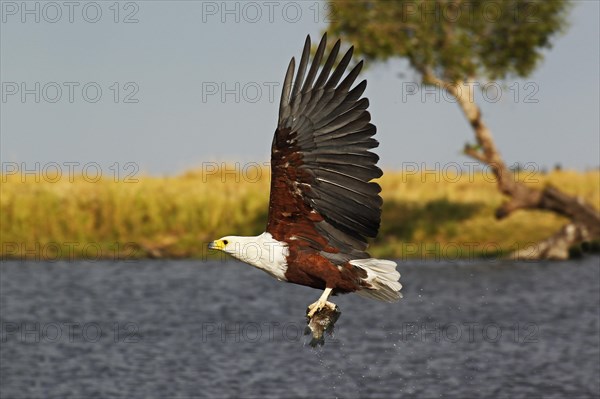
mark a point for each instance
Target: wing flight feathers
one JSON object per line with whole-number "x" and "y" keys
{"x": 321, "y": 161}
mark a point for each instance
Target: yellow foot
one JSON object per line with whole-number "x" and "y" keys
{"x": 320, "y": 304}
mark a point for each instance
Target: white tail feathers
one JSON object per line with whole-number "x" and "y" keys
{"x": 382, "y": 277}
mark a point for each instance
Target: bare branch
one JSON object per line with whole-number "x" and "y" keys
{"x": 475, "y": 154}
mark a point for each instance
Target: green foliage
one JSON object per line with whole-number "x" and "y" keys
{"x": 455, "y": 40}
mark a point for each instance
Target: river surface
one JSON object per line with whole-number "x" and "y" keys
{"x": 182, "y": 329}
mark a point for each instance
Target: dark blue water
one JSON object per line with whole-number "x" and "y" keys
{"x": 149, "y": 329}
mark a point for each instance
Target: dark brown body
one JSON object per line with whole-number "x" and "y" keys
{"x": 316, "y": 271}
{"x": 292, "y": 221}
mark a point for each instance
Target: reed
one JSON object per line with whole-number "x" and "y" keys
{"x": 441, "y": 215}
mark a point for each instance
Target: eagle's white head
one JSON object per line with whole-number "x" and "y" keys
{"x": 262, "y": 251}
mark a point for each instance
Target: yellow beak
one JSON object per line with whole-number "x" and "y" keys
{"x": 217, "y": 244}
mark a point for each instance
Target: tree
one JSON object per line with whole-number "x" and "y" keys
{"x": 453, "y": 43}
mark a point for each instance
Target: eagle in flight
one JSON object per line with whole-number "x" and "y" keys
{"x": 323, "y": 206}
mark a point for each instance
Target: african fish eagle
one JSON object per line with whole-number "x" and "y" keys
{"x": 323, "y": 205}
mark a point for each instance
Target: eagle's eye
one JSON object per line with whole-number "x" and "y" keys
{"x": 225, "y": 242}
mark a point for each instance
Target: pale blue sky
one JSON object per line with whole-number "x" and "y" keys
{"x": 177, "y": 49}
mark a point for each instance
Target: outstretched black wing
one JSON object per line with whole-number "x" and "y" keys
{"x": 321, "y": 194}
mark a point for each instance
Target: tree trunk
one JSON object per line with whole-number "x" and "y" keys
{"x": 585, "y": 219}
{"x": 556, "y": 246}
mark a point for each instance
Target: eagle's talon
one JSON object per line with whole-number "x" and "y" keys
{"x": 320, "y": 304}
{"x": 317, "y": 306}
